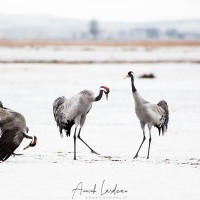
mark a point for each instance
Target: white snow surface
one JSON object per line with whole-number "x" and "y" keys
{"x": 99, "y": 54}
{"x": 48, "y": 170}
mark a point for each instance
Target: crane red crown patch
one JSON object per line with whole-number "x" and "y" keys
{"x": 106, "y": 88}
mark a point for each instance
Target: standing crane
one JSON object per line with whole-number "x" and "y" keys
{"x": 68, "y": 112}
{"x": 13, "y": 130}
{"x": 149, "y": 114}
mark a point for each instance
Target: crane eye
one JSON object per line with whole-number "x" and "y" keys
{"x": 131, "y": 73}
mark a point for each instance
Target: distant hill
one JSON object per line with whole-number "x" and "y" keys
{"x": 38, "y": 27}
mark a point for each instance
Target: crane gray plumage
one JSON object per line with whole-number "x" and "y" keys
{"x": 68, "y": 112}
{"x": 60, "y": 119}
{"x": 149, "y": 114}
{"x": 13, "y": 130}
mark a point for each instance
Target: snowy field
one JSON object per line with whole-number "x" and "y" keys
{"x": 99, "y": 54}
{"x": 48, "y": 171}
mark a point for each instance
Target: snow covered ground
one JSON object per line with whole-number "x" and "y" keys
{"x": 48, "y": 171}
{"x": 100, "y": 54}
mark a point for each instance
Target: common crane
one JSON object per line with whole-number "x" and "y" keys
{"x": 149, "y": 114}
{"x": 13, "y": 130}
{"x": 68, "y": 112}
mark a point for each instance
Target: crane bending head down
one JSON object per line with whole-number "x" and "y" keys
{"x": 73, "y": 111}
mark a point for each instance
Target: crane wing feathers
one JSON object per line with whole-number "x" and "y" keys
{"x": 162, "y": 127}
{"x": 9, "y": 142}
{"x": 157, "y": 114}
{"x": 59, "y": 101}
{"x": 64, "y": 114}
{"x": 5, "y": 116}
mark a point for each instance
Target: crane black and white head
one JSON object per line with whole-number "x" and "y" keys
{"x": 130, "y": 74}
{"x": 32, "y": 143}
{"x": 106, "y": 90}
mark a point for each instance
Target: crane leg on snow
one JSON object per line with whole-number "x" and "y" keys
{"x": 75, "y": 144}
{"x": 144, "y": 138}
{"x": 149, "y": 144}
{"x": 79, "y": 137}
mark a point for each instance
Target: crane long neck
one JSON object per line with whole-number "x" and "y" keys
{"x": 138, "y": 99}
{"x": 27, "y": 136}
{"x": 132, "y": 84}
{"x": 99, "y": 96}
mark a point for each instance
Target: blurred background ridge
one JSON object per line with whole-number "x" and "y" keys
{"x": 54, "y": 28}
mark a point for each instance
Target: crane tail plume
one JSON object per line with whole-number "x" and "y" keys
{"x": 56, "y": 105}
{"x": 67, "y": 127}
{"x": 162, "y": 127}
{"x": 60, "y": 119}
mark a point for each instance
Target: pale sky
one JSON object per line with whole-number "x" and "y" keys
{"x": 123, "y": 10}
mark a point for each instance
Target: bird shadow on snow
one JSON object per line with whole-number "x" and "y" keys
{"x": 67, "y": 157}
{"x": 93, "y": 158}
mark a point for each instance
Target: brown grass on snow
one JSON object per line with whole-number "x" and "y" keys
{"x": 170, "y": 43}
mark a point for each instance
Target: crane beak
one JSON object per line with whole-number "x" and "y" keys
{"x": 107, "y": 97}
{"x": 27, "y": 147}
{"x": 126, "y": 76}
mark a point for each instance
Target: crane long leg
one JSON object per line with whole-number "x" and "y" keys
{"x": 144, "y": 138}
{"x": 79, "y": 137}
{"x": 149, "y": 144}
{"x": 75, "y": 144}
